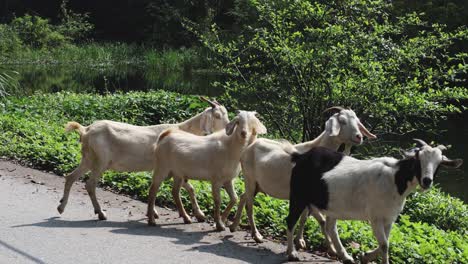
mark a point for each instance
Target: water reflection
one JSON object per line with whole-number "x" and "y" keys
{"x": 125, "y": 77}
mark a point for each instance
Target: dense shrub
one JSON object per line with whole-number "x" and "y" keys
{"x": 31, "y": 130}
{"x": 439, "y": 209}
{"x": 309, "y": 55}
{"x": 137, "y": 108}
{"x": 74, "y": 25}
{"x": 37, "y": 32}
{"x": 10, "y": 43}
{"x": 40, "y": 143}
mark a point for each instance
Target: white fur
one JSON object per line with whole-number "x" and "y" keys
{"x": 267, "y": 165}
{"x": 213, "y": 158}
{"x": 124, "y": 147}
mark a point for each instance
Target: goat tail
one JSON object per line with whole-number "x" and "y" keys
{"x": 70, "y": 126}
{"x": 288, "y": 147}
{"x": 290, "y": 150}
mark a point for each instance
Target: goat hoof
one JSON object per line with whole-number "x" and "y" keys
{"x": 151, "y": 223}
{"x": 348, "y": 261}
{"x": 300, "y": 243}
{"x": 187, "y": 220}
{"x": 102, "y": 216}
{"x": 258, "y": 238}
{"x": 293, "y": 256}
{"x": 220, "y": 228}
{"x": 200, "y": 218}
{"x": 332, "y": 253}
{"x": 60, "y": 209}
{"x": 233, "y": 228}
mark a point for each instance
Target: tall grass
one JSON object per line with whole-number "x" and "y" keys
{"x": 108, "y": 67}
{"x": 8, "y": 81}
{"x": 90, "y": 54}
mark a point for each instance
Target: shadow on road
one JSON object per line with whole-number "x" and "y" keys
{"x": 227, "y": 248}
{"x": 21, "y": 252}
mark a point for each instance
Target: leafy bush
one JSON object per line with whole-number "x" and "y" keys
{"x": 395, "y": 71}
{"x": 40, "y": 143}
{"x": 37, "y": 32}
{"x": 137, "y": 108}
{"x": 410, "y": 242}
{"x": 10, "y": 43}
{"x": 439, "y": 209}
{"x": 31, "y": 130}
{"x": 74, "y": 25}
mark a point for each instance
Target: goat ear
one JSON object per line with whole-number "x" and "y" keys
{"x": 206, "y": 122}
{"x": 230, "y": 126}
{"x": 332, "y": 126}
{"x": 409, "y": 153}
{"x": 364, "y": 131}
{"x": 446, "y": 162}
{"x": 260, "y": 129}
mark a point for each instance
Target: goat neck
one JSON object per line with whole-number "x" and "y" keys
{"x": 235, "y": 143}
{"x": 323, "y": 140}
{"x": 192, "y": 125}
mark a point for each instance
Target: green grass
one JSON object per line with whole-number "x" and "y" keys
{"x": 432, "y": 228}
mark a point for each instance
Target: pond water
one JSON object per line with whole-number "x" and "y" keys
{"x": 98, "y": 79}
{"x": 104, "y": 79}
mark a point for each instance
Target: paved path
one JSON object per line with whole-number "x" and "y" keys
{"x": 32, "y": 231}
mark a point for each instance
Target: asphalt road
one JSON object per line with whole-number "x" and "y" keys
{"x": 32, "y": 231}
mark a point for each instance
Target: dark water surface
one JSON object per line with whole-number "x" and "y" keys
{"x": 99, "y": 79}
{"x": 105, "y": 79}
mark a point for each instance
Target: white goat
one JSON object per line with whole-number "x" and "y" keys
{"x": 124, "y": 147}
{"x": 266, "y": 165}
{"x": 213, "y": 158}
{"x": 374, "y": 190}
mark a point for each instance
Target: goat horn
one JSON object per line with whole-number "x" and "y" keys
{"x": 216, "y": 102}
{"x": 333, "y": 109}
{"x": 421, "y": 142}
{"x": 442, "y": 147}
{"x": 212, "y": 104}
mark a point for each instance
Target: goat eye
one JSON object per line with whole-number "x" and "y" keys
{"x": 217, "y": 116}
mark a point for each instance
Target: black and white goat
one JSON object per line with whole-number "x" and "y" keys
{"x": 342, "y": 187}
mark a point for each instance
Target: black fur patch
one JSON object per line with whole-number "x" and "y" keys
{"x": 408, "y": 169}
{"x": 307, "y": 185}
